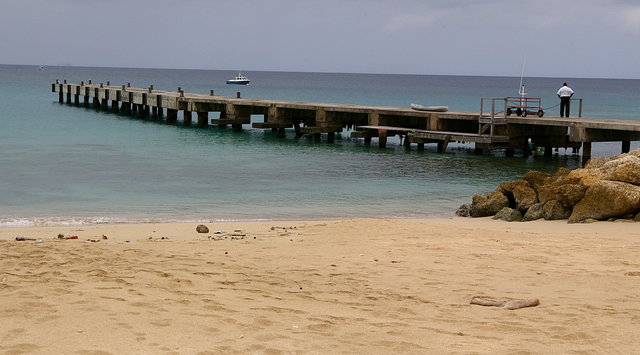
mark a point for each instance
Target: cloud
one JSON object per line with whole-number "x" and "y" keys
{"x": 403, "y": 22}
{"x": 631, "y": 20}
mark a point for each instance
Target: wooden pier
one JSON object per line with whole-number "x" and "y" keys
{"x": 487, "y": 130}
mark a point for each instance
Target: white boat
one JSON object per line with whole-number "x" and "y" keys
{"x": 239, "y": 80}
{"x": 430, "y": 108}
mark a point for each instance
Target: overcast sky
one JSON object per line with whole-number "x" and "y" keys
{"x": 568, "y": 38}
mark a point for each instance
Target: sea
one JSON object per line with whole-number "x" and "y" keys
{"x": 66, "y": 165}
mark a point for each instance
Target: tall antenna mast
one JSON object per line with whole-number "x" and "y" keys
{"x": 522, "y": 90}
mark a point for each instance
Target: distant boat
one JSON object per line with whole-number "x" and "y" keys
{"x": 239, "y": 80}
{"x": 41, "y": 67}
{"x": 430, "y": 108}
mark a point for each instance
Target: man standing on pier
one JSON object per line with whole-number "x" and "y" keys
{"x": 564, "y": 94}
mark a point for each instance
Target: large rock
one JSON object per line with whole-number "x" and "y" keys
{"x": 567, "y": 194}
{"x": 525, "y": 197}
{"x": 635, "y": 152}
{"x": 509, "y": 214}
{"x": 464, "y": 211}
{"x": 519, "y": 193}
{"x": 536, "y": 178}
{"x": 595, "y": 163}
{"x": 488, "y": 204}
{"x": 533, "y": 213}
{"x": 554, "y": 209}
{"x": 606, "y": 199}
{"x": 625, "y": 169}
{"x": 585, "y": 177}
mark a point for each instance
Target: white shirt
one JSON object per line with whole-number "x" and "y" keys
{"x": 565, "y": 91}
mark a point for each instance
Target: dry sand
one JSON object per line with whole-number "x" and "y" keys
{"x": 364, "y": 286}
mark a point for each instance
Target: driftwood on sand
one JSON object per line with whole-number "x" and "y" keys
{"x": 513, "y": 304}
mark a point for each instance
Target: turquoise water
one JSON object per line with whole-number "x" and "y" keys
{"x": 62, "y": 164}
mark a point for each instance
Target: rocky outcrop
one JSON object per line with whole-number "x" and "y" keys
{"x": 519, "y": 194}
{"x": 488, "y": 204}
{"x": 464, "y": 211}
{"x": 607, "y": 199}
{"x": 509, "y": 215}
{"x": 626, "y": 169}
{"x": 605, "y": 188}
{"x": 534, "y": 212}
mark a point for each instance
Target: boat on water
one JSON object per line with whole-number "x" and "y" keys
{"x": 239, "y": 80}
{"x": 430, "y": 108}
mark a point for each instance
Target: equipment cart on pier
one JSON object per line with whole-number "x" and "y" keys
{"x": 523, "y": 106}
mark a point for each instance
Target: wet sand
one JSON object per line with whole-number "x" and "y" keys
{"x": 351, "y": 286}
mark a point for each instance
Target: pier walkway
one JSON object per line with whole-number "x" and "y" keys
{"x": 487, "y": 131}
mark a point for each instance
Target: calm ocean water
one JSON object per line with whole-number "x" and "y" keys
{"x": 61, "y": 164}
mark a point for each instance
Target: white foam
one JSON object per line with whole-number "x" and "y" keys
{"x": 19, "y": 222}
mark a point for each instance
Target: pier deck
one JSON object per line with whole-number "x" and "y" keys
{"x": 367, "y": 122}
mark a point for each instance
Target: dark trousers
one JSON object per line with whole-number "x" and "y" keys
{"x": 565, "y": 105}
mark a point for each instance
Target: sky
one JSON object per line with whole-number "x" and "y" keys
{"x": 546, "y": 38}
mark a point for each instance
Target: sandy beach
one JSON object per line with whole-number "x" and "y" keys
{"x": 367, "y": 286}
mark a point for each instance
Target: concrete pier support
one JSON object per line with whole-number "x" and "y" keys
{"x": 115, "y": 106}
{"x": 154, "y": 113}
{"x": 382, "y": 140}
{"x": 68, "y": 94}
{"x": 105, "y": 101}
{"x": 586, "y": 152}
{"x": 626, "y": 146}
{"x": 187, "y": 118}
{"x": 406, "y": 142}
{"x": 172, "y": 116}
{"x": 281, "y": 132}
{"x": 203, "y": 119}
{"x": 125, "y": 108}
{"x": 60, "y": 94}
{"x": 331, "y": 137}
{"x": 367, "y": 141}
{"x": 548, "y": 151}
{"x": 236, "y": 127}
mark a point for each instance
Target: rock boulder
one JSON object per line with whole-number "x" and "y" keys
{"x": 488, "y": 204}
{"x": 509, "y": 214}
{"x": 607, "y": 199}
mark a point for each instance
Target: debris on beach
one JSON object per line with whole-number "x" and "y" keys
{"x": 23, "y": 239}
{"x": 158, "y": 238}
{"x": 238, "y": 233}
{"x": 283, "y": 228}
{"x": 63, "y": 236}
{"x": 511, "y": 304}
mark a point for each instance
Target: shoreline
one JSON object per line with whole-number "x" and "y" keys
{"x": 187, "y": 228}
{"x": 340, "y": 286}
